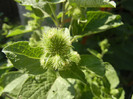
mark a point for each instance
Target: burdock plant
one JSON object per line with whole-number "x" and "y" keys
{"x": 48, "y": 67}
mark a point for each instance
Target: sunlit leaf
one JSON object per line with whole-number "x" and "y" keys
{"x": 96, "y": 22}
{"x": 93, "y": 3}
{"x": 25, "y": 57}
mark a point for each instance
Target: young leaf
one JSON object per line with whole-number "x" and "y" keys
{"x": 121, "y": 94}
{"x": 19, "y": 30}
{"x": 111, "y": 75}
{"x": 92, "y": 63}
{"x": 25, "y": 57}
{"x": 94, "y": 3}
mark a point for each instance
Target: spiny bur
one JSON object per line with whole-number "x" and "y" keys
{"x": 58, "y": 51}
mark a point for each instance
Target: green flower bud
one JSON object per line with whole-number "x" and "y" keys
{"x": 58, "y": 51}
{"x": 77, "y": 13}
{"x": 57, "y": 41}
{"x": 74, "y": 57}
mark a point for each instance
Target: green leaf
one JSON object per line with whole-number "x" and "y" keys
{"x": 12, "y": 82}
{"x": 73, "y": 72}
{"x": 92, "y": 63}
{"x": 62, "y": 89}
{"x": 35, "y": 39}
{"x": 82, "y": 91}
{"x": 95, "y": 88}
{"x": 60, "y": 14}
{"x": 94, "y": 83}
{"x": 25, "y": 57}
{"x": 4, "y": 69}
{"x": 19, "y": 30}
{"x": 38, "y": 12}
{"x": 121, "y": 94}
{"x": 47, "y": 86}
{"x": 96, "y": 22}
{"x": 111, "y": 76}
{"x": 40, "y": 5}
{"x": 55, "y": 1}
{"x": 23, "y": 48}
{"x": 1, "y": 89}
{"x": 37, "y": 87}
{"x": 9, "y": 77}
{"x": 94, "y": 52}
{"x": 94, "y": 3}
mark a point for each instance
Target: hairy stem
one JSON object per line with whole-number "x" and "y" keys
{"x": 55, "y": 17}
{"x": 63, "y": 10}
{"x": 6, "y": 95}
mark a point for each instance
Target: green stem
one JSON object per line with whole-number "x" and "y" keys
{"x": 75, "y": 38}
{"x": 70, "y": 26}
{"x": 53, "y": 12}
{"x": 54, "y": 21}
{"x": 63, "y": 10}
{"x": 49, "y": 15}
{"x": 6, "y": 95}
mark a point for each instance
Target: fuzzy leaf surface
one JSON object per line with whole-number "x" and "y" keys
{"x": 111, "y": 76}
{"x": 24, "y": 57}
{"x": 47, "y": 86}
{"x": 62, "y": 89}
{"x": 94, "y": 3}
{"x": 40, "y": 5}
{"x": 55, "y": 1}
{"x": 96, "y": 22}
{"x": 12, "y": 82}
